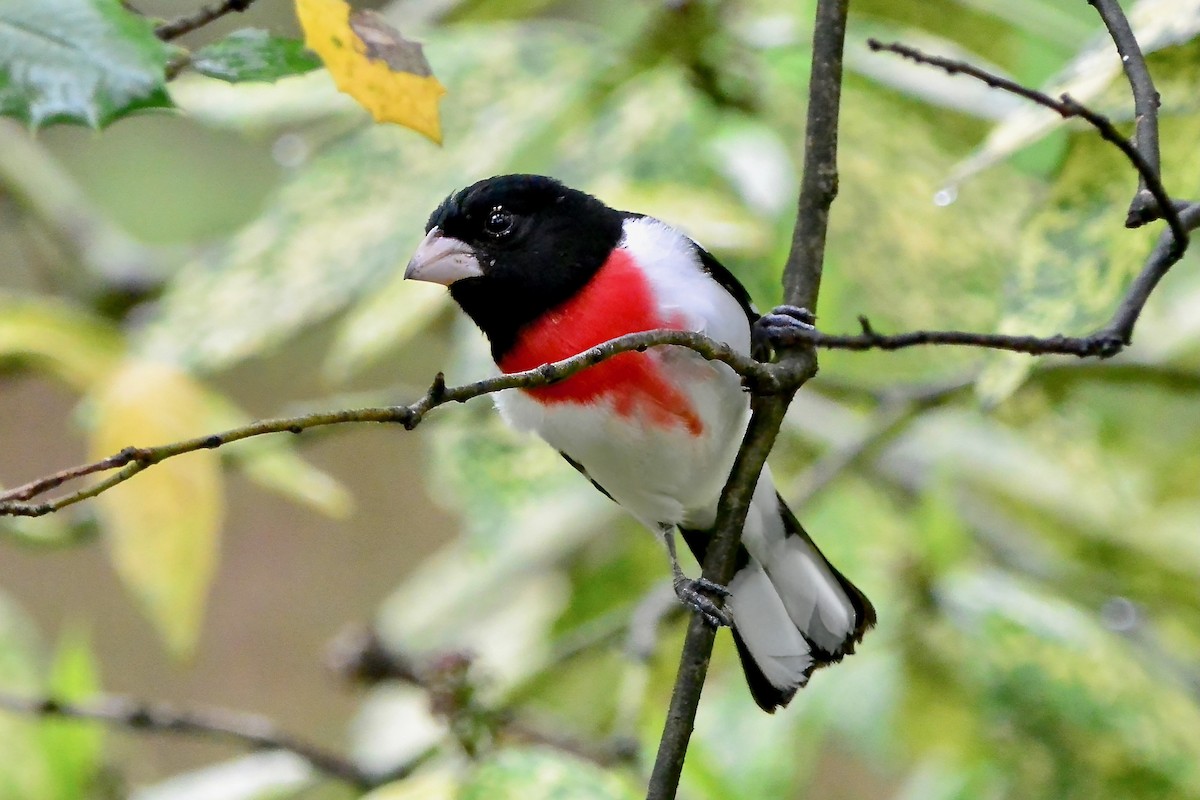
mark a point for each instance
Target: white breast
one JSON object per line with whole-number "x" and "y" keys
{"x": 659, "y": 473}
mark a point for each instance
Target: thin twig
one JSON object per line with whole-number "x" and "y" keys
{"x": 802, "y": 281}
{"x": 1109, "y": 340}
{"x": 360, "y": 655}
{"x": 133, "y": 460}
{"x": 1083, "y": 347}
{"x": 1067, "y": 108}
{"x": 173, "y": 29}
{"x": 241, "y": 728}
{"x": 1143, "y": 208}
{"x": 1161, "y": 259}
{"x": 762, "y": 378}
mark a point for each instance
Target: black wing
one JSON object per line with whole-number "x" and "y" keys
{"x": 579, "y": 468}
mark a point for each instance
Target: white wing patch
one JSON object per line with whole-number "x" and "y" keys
{"x": 683, "y": 289}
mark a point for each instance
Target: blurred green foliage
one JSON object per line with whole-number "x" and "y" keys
{"x": 1030, "y": 539}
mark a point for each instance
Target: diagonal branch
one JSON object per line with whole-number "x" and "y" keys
{"x": 1067, "y": 108}
{"x": 360, "y": 656}
{"x": 177, "y": 27}
{"x": 218, "y": 724}
{"x": 133, "y": 460}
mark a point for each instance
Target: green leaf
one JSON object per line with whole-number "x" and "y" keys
{"x": 72, "y": 748}
{"x": 253, "y": 54}
{"x": 350, "y": 219}
{"x": 1076, "y": 258}
{"x": 23, "y": 770}
{"x": 74, "y": 346}
{"x": 81, "y": 61}
{"x": 539, "y": 774}
{"x": 1157, "y": 24}
{"x": 162, "y": 526}
{"x": 1049, "y": 679}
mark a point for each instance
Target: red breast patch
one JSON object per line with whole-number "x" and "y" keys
{"x": 616, "y": 301}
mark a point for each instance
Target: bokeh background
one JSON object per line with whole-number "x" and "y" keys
{"x": 1028, "y": 529}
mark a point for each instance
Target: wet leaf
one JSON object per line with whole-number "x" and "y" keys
{"x": 83, "y": 61}
{"x": 253, "y": 54}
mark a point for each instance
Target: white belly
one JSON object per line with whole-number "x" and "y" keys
{"x": 659, "y": 473}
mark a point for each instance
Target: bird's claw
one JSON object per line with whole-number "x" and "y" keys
{"x": 773, "y": 329}
{"x": 694, "y": 593}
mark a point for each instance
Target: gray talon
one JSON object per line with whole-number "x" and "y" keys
{"x": 692, "y": 594}
{"x": 772, "y": 328}
{"x": 710, "y": 586}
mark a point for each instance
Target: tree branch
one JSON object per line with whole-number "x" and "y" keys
{"x": 1067, "y": 108}
{"x": 763, "y": 379}
{"x": 718, "y": 567}
{"x": 358, "y": 655}
{"x": 218, "y": 724}
{"x": 173, "y": 29}
{"x": 802, "y": 282}
{"x": 133, "y": 460}
{"x": 1143, "y": 208}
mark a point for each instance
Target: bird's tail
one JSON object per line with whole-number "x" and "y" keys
{"x": 792, "y": 610}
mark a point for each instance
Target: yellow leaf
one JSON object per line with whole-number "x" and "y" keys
{"x": 162, "y": 526}
{"x": 370, "y": 61}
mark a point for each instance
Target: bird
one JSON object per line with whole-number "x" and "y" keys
{"x": 546, "y": 272}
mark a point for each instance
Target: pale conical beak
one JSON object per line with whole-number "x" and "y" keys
{"x": 442, "y": 259}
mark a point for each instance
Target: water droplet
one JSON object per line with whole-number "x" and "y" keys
{"x": 290, "y": 150}
{"x": 1120, "y": 614}
{"x": 945, "y": 196}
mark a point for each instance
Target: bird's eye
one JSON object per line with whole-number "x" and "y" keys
{"x": 499, "y": 223}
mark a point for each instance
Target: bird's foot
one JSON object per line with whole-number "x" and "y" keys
{"x": 778, "y": 327}
{"x": 694, "y": 593}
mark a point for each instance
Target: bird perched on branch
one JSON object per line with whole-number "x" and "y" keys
{"x": 547, "y": 272}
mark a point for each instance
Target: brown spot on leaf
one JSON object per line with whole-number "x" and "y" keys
{"x": 384, "y": 43}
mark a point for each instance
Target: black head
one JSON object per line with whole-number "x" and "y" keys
{"x": 513, "y": 247}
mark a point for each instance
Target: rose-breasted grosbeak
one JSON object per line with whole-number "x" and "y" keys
{"x": 547, "y": 272}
